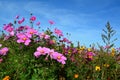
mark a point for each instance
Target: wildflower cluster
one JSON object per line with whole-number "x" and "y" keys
{"x": 50, "y": 52}
{"x": 30, "y": 52}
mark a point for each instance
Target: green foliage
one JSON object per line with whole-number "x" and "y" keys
{"x": 107, "y": 35}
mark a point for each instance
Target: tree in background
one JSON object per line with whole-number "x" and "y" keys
{"x": 107, "y": 36}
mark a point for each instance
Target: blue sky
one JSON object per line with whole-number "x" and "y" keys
{"x": 83, "y": 19}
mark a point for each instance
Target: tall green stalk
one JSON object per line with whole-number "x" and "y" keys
{"x": 107, "y": 36}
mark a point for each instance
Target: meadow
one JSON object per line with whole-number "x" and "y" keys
{"x": 27, "y": 53}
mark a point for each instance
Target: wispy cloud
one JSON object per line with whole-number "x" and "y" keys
{"x": 84, "y": 23}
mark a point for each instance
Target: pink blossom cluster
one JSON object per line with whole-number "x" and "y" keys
{"x": 25, "y": 37}
{"x": 50, "y": 52}
{"x": 9, "y": 28}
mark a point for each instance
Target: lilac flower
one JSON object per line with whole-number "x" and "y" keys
{"x": 4, "y": 51}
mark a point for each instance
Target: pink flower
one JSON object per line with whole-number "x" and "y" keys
{"x": 41, "y": 51}
{"x": 22, "y": 38}
{"x": 17, "y": 17}
{"x": 33, "y": 18}
{"x": 4, "y": 51}
{"x": 65, "y": 40}
{"x": 31, "y": 32}
{"x": 59, "y": 57}
{"x": 45, "y": 36}
{"x": 51, "y": 22}
{"x": 38, "y": 23}
{"x": 12, "y": 33}
{"x": 51, "y": 53}
{"x": 58, "y": 32}
{"x": 21, "y": 21}
{"x": 90, "y": 55}
{"x": 8, "y": 27}
{"x": 37, "y": 54}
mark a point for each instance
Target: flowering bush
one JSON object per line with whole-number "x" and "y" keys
{"x": 28, "y": 53}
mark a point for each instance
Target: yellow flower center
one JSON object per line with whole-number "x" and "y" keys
{"x": 31, "y": 32}
{"x": 76, "y": 76}
{"x": 59, "y": 57}
{"x": 24, "y": 39}
{"x": 90, "y": 56}
{"x": 42, "y": 51}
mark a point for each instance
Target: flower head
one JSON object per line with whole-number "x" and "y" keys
{"x": 38, "y": 23}
{"x": 8, "y": 27}
{"x": 41, "y": 51}
{"x": 33, "y": 18}
{"x": 21, "y": 21}
{"x": 51, "y": 22}
{"x": 31, "y": 32}
{"x": 6, "y": 78}
{"x": 22, "y": 38}
{"x": 97, "y": 68}
{"x": 58, "y": 32}
{"x": 76, "y": 75}
{"x": 59, "y": 57}
{"x": 17, "y": 17}
{"x": 90, "y": 56}
{"x": 4, "y": 51}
